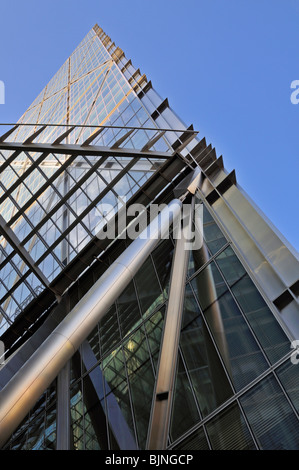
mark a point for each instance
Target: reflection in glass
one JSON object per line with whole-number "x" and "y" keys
{"x": 239, "y": 350}
{"x": 184, "y": 410}
{"x": 128, "y": 309}
{"x": 141, "y": 380}
{"x": 228, "y": 431}
{"x": 288, "y": 374}
{"x": 117, "y": 395}
{"x": 148, "y": 288}
{"x": 212, "y": 234}
{"x": 154, "y": 328}
{"x": 208, "y": 378}
{"x": 266, "y": 328}
{"x": 270, "y": 416}
{"x": 196, "y": 441}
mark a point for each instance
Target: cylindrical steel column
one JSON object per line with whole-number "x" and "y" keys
{"x": 63, "y": 420}
{"x": 24, "y": 389}
{"x": 161, "y": 412}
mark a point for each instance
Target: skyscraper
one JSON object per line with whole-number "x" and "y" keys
{"x": 113, "y": 342}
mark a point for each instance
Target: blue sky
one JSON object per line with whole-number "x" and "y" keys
{"x": 225, "y": 66}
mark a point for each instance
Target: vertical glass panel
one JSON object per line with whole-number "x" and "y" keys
{"x": 50, "y": 428}
{"x": 271, "y": 336}
{"x": 154, "y": 328}
{"x": 117, "y": 396}
{"x": 270, "y": 416}
{"x": 288, "y": 374}
{"x": 206, "y": 372}
{"x": 200, "y": 256}
{"x": 77, "y": 412}
{"x": 162, "y": 257}
{"x": 230, "y": 266}
{"x": 128, "y": 309}
{"x": 94, "y": 343}
{"x": 141, "y": 379}
{"x": 109, "y": 330}
{"x": 197, "y": 259}
{"x": 208, "y": 286}
{"x": 148, "y": 289}
{"x": 212, "y": 234}
{"x": 196, "y": 441}
{"x": 92, "y": 438}
{"x": 36, "y": 431}
{"x": 228, "y": 431}
{"x": 94, "y": 417}
{"x": 184, "y": 410}
{"x": 239, "y": 350}
{"x": 18, "y": 443}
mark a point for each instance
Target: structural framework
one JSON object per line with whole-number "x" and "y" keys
{"x": 147, "y": 342}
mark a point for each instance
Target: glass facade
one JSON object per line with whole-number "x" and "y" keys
{"x": 235, "y": 386}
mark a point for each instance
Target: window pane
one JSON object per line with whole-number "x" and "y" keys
{"x": 228, "y": 431}
{"x": 184, "y": 410}
{"x": 288, "y": 374}
{"x": 206, "y": 372}
{"x": 239, "y": 350}
{"x": 230, "y": 266}
{"x": 128, "y": 309}
{"x": 119, "y": 413}
{"x": 197, "y": 441}
{"x": 270, "y": 416}
{"x": 271, "y": 336}
{"x": 212, "y": 234}
{"x": 109, "y": 330}
{"x": 141, "y": 380}
{"x": 162, "y": 257}
{"x": 148, "y": 288}
{"x": 208, "y": 285}
{"x": 154, "y": 328}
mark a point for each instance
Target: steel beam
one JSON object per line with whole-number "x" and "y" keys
{"x": 161, "y": 411}
{"x": 72, "y": 149}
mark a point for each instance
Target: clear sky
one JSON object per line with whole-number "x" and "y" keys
{"x": 226, "y": 66}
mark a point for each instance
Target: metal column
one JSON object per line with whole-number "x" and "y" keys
{"x": 24, "y": 389}
{"x": 160, "y": 416}
{"x": 63, "y": 409}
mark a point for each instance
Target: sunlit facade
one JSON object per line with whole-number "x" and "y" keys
{"x": 97, "y": 140}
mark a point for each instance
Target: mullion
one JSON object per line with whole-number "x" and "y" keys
{"x": 42, "y": 189}
{"x": 22, "y": 281}
{"x": 34, "y": 164}
{"x": 63, "y": 202}
{"x": 6, "y": 317}
{"x": 86, "y": 210}
{"x": 63, "y": 199}
{"x": 10, "y": 291}
{"x": 9, "y": 160}
{"x": 15, "y": 286}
